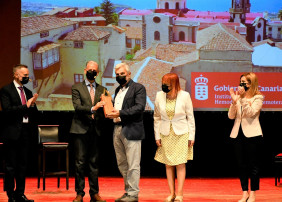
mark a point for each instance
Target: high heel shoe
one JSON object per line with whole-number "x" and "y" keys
{"x": 243, "y": 200}
{"x": 178, "y": 199}
{"x": 170, "y": 198}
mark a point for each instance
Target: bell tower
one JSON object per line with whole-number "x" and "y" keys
{"x": 171, "y": 4}
{"x": 238, "y": 10}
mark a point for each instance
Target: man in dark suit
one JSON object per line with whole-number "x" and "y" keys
{"x": 86, "y": 129}
{"x": 129, "y": 103}
{"x": 20, "y": 113}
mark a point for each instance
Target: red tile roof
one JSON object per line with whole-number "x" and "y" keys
{"x": 133, "y": 32}
{"x": 37, "y": 24}
{"x": 87, "y": 33}
{"x": 169, "y": 52}
{"x": 219, "y": 37}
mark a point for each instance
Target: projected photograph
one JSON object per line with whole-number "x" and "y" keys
{"x": 208, "y": 46}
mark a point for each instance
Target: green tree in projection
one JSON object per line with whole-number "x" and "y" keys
{"x": 107, "y": 11}
{"x": 280, "y": 15}
{"x": 97, "y": 9}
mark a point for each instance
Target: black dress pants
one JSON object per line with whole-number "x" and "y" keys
{"x": 16, "y": 152}
{"x": 86, "y": 158}
{"x": 248, "y": 154}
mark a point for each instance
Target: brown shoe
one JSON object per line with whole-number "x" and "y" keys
{"x": 96, "y": 198}
{"x": 78, "y": 198}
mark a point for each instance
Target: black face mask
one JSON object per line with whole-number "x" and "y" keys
{"x": 91, "y": 75}
{"x": 25, "y": 80}
{"x": 165, "y": 88}
{"x": 244, "y": 85}
{"x": 121, "y": 80}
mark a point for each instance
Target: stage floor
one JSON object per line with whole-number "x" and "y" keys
{"x": 152, "y": 190}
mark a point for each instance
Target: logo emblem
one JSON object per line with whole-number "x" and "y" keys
{"x": 201, "y": 88}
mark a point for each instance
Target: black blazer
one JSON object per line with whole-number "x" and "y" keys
{"x": 82, "y": 104}
{"x": 13, "y": 111}
{"x": 131, "y": 114}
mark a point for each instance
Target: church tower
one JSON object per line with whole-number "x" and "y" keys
{"x": 238, "y": 10}
{"x": 171, "y": 4}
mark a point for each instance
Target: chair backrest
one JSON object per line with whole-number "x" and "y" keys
{"x": 48, "y": 133}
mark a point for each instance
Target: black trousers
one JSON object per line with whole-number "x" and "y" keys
{"x": 247, "y": 153}
{"x": 16, "y": 153}
{"x": 86, "y": 158}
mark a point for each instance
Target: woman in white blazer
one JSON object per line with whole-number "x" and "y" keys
{"x": 174, "y": 127}
{"x": 246, "y": 134}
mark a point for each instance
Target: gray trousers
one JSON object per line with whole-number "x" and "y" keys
{"x": 128, "y": 154}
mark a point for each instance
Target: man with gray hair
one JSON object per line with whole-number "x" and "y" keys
{"x": 129, "y": 104}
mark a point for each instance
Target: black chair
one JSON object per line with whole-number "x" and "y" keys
{"x": 49, "y": 142}
{"x": 278, "y": 165}
{"x": 2, "y": 174}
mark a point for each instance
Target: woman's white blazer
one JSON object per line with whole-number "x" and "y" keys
{"x": 183, "y": 120}
{"x": 246, "y": 113}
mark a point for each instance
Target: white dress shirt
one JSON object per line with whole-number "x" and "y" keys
{"x": 119, "y": 101}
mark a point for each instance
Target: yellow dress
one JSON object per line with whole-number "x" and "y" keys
{"x": 174, "y": 149}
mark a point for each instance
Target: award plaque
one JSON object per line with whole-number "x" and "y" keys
{"x": 108, "y": 107}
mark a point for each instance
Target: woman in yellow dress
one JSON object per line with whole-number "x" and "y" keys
{"x": 174, "y": 127}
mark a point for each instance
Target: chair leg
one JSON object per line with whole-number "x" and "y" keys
{"x": 43, "y": 169}
{"x": 67, "y": 168}
{"x": 59, "y": 168}
{"x": 39, "y": 169}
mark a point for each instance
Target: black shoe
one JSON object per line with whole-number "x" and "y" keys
{"x": 23, "y": 198}
{"x": 12, "y": 199}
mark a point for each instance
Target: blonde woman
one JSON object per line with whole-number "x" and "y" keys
{"x": 246, "y": 133}
{"x": 174, "y": 127}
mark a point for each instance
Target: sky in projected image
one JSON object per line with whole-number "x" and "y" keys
{"x": 201, "y": 5}
{"x": 202, "y": 47}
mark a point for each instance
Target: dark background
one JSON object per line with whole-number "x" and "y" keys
{"x": 213, "y": 155}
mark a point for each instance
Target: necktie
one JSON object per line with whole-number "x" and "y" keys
{"x": 92, "y": 95}
{"x": 23, "y": 98}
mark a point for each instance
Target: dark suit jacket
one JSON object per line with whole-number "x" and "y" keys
{"x": 13, "y": 111}
{"x": 132, "y": 110}
{"x": 82, "y": 104}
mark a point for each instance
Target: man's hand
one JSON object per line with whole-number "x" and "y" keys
{"x": 113, "y": 114}
{"x": 32, "y": 100}
{"x": 98, "y": 105}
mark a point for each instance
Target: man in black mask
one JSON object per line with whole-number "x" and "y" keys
{"x": 129, "y": 103}
{"x": 86, "y": 130}
{"x": 20, "y": 114}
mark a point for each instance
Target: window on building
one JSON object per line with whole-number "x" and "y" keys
{"x": 259, "y": 38}
{"x": 279, "y": 29}
{"x": 259, "y": 25}
{"x": 74, "y": 27}
{"x": 44, "y": 34}
{"x": 166, "y": 5}
{"x": 157, "y": 19}
{"x": 137, "y": 41}
{"x": 46, "y": 59}
{"x": 270, "y": 29}
{"x": 157, "y": 36}
{"x": 78, "y": 78}
{"x": 128, "y": 43}
{"x": 127, "y": 25}
{"x": 177, "y": 5}
{"x": 78, "y": 44}
{"x": 106, "y": 41}
{"x": 181, "y": 36}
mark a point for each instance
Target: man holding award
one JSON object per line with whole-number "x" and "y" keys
{"x": 86, "y": 128}
{"x": 129, "y": 105}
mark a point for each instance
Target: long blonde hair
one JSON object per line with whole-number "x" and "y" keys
{"x": 253, "y": 81}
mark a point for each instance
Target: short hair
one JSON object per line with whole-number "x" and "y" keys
{"x": 173, "y": 80}
{"x": 122, "y": 65}
{"x": 94, "y": 62}
{"x": 18, "y": 66}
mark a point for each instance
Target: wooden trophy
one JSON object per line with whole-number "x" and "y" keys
{"x": 108, "y": 107}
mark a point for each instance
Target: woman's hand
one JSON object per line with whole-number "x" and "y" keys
{"x": 234, "y": 95}
{"x": 158, "y": 142}
{"x": 241, "y": 91}
{"x": 191, "y": 143}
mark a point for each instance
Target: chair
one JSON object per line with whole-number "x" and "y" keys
{"x": 49, "y": 142}
{"x": 2, "y": 174}
{"x": 278, "y": 165}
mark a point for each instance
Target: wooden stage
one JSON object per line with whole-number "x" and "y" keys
{"x": 152, "y": 190}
